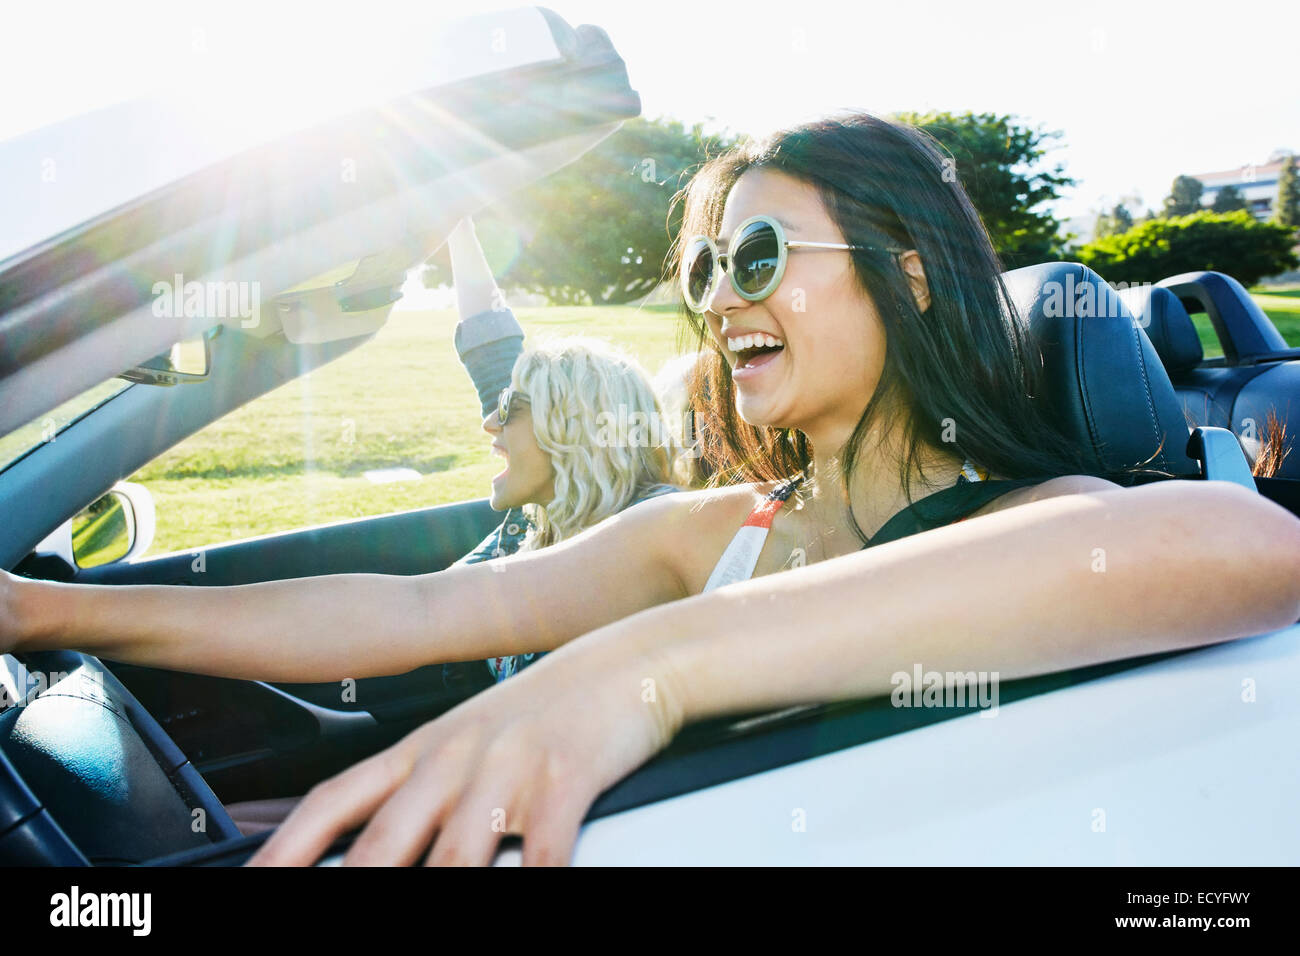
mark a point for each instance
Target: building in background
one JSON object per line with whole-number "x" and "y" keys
{"x": 1257, "y": 184}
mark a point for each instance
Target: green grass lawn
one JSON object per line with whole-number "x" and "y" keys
{"x": 1280, "y": 305}
{"x": 296, "y": 456}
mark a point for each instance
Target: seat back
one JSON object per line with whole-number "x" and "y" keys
{"x": 1104, "y": 383}
{"x": 1167, "y": 325}
{"x": 1206, "y": 394}
{"x": 1241, "y": 396}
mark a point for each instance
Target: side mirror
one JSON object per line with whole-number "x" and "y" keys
{"x": 118, "y": 526}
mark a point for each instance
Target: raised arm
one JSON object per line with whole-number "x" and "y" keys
{"x": 356, "y": 625}
{"x": 488, "y": 337}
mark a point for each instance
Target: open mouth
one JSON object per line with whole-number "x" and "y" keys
{"x": 754, "y": 350}
{"x": 498, "y": 450}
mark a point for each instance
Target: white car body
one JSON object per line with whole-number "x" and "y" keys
{"x": 1191, "y": 760}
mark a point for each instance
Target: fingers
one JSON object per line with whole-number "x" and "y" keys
{"x": 460, "y": 792}
{"x": 546, "y": 808}
{"x": 553, "y": 834}
{"x": 334, "y": 807}
{"x": 404, "y": 826}
{"x": 484, "y": 814}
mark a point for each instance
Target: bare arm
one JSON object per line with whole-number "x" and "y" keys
{"x": 356, "y": 625}
{"x": 1053, "y": 585}
{"x": 476, "y": 289}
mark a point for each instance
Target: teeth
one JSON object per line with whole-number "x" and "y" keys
{"x": 752, "y": 341}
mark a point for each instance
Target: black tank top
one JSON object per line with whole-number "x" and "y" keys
{"x": 946, "y": 507}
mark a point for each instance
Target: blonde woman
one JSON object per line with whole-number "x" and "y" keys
{"x": 548, "y": 411}
{"x": 569, "y": 464}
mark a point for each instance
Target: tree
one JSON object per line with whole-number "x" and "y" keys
{"x": 1286, "y": 211}
{"x": 1228, "y": 199}
{"x": 1121, "y": 217}
{"x": 1234, "y": 243}
{"x": 1184, "y": 197}
{"x": 1118, "y": 220}
{"x": 1003, "y": 166}
{"x": 1103, "y": 226}
{"x": 597, "y": 230}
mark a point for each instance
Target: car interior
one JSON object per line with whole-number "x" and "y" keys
{"x": 1258, "y": 373}
{"x": 114, "y": 764}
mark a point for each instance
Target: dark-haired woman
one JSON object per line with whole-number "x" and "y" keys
{"x": 864, "y": 361}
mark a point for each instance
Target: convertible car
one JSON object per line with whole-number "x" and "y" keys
{"x": 1184, "y": 758}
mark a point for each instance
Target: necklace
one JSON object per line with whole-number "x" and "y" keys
{"x": 806, "y": 492}
{"x": 805, "y": 495}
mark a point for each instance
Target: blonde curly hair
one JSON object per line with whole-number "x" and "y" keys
{"x": 582, "y": 392}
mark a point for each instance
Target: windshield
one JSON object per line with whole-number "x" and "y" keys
{"x": 22, "y": 440}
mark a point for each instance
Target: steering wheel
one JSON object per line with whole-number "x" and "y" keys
{"x": 88, "y": 776}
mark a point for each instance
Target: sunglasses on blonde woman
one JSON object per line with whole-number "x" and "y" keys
{"x": 505, "y": 402}
{"x": 754, "y": 261}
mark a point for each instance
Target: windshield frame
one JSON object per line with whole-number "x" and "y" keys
{"x": 11, "y": 457}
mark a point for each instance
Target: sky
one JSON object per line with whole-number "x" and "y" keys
{"x": 1141, "y": 91}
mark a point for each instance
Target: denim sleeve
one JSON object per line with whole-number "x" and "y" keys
{"x": 504, "y": 539}
{"x": 488, "y": 343}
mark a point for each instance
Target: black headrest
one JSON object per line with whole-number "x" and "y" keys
{"x": 1104, "y": 383}
{"x": 1167, "y": 324}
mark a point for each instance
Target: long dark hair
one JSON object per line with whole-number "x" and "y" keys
{"x": 962, "y": 370}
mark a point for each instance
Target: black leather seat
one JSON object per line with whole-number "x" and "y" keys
{"x": 1206, "y": 395}
{"x": 1167, "y": 325}
{"x": 1238, "y": 397}
{"x": 1105, "y": 383}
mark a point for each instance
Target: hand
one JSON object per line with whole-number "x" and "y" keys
{"x": 527, "y": 757}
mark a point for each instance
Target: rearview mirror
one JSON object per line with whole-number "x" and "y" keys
{"x": 188, "y": 361}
